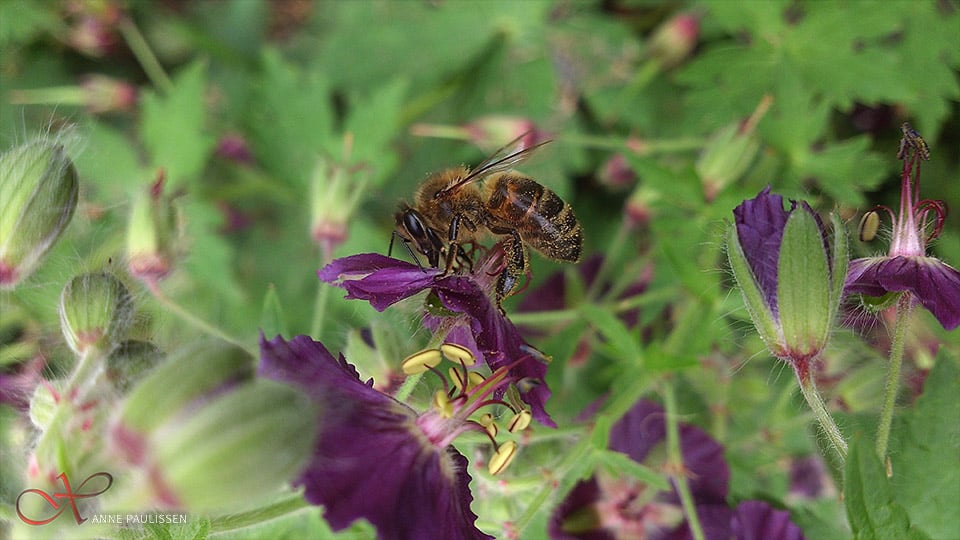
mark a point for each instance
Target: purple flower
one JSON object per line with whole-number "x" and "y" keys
{"x": 790, "y": 277}
{"x": 376, "y": 458}
{"x": 467, "y": 317}
{"x": 605, "y": 507}
{"x": 907, "y": 268}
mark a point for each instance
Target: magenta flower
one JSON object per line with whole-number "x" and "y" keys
{"x": 906, "y": 267}
{"x": 605, "y": 507}
{"x": 376, "y": 458}
{"x": 468, "y": 317}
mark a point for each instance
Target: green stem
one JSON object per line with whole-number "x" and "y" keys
{"x": 141, "y": 49}
{"x": 808, "y": 387}
{"x": 319, "y": 309}
{"x": 904, "y": 309}
{"x": 60, "y": 95}
{"x": 192, "y": 319}
{"x": 675, "y": 462}
{"x": 615, "y": 246}
{"x": 288, "y": 505}
{"x": 572, "y": 458}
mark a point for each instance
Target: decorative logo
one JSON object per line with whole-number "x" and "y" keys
{"x": 59, "y": 501}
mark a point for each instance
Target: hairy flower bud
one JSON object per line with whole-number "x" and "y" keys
{"x": 95, "y": 312}
{"x": 790, "y": 279}
{"x": 38, "y": 196}
{"x": 130, "y": 362}
{"x": 334, "y": 195}
{"x": 673, "y": 41}
{"x": 730, "y": 152}
{"x": 152, "y": 235}
{"x": 206, "y": 435}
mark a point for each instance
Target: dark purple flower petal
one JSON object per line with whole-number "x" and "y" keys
{"x": 497, "y": 339}
{"x": 757, "y": 520}
{"x": 575, "y": 518}
{"x": 382, "y": 281}
{"x": 760, "y": 222}
{"x": 934, "y": 283}
{"x": 644, "y": 427}
{"x": 371, "y": 459}
{"x": 714, "y": 522}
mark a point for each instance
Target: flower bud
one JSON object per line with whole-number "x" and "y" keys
{"x": 725, "y": 158}
{"x": 334, "y": 195}
{"x": 203, "y": 436}
{"x": 490, "y": 132}
{"x": 152, "y": 235}
{"x": 791, "y": 281}
{"x": 729, "y": 152}
{"x": 38, "y": 196}
{"x": 616, "y": 173}
{"x": 103, "y": 94}
{"x": 130, "y": 362}
{"x": 193, "y": 374}
{"x": 95, "y": 312}
{"x": 673, "y": 41}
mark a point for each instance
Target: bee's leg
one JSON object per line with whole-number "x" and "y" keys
{"x": 406, "y": 244}
{"x": 515, "y": 263}
{"x": 454, "y": 249}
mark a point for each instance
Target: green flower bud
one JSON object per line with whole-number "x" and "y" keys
{"x": 204, "y": 435}
{"x": 130, "y": 362}
{"x": 334, "y": 195}
{"x": 242, "y": 445}
{"x": 43, "y": 406}
{"x": 791, "y": 281}
{"x": 190, "y": 375}
{"x": 152, "y": 235}
{"x": 38, "y": 196}
{"x": 95, "y": 312}
{"x": 729, "y": 153}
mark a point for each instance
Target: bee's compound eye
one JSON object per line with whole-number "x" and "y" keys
{"x": 411, "y": 221}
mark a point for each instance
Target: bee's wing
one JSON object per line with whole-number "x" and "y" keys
{"x": 504, "y": 159}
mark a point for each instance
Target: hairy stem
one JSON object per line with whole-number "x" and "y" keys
{"x": 904, "y": 309}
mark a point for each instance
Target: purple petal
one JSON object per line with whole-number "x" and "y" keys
{"x": 934, "y": 283}
{"x": 371, "y": 461}
{"x": 382, "y": 281}
{"x": 714, "y": 522}
{"x": 760, "y": 223}
{"x": 757, "y": 520}
{"x": 644, "y": 427}
{"x": 498, "y": 339}
{"x": 577, "y": 511}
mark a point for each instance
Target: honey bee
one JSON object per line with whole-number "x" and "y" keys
{"x": 456, "y": 207}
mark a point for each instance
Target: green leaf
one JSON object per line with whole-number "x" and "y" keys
{"x": 291, "y": 120}
{"x": 173, "y": 127}
{"x": 272, "y": 320}
{"x": 803, "y": 285}
{"x": 374, "y": 122}
{"x": 868, "y": 495}
{"x": 923, "y": 452}
{"x": 625, "y": 344}
{"x": 619, "y": 464}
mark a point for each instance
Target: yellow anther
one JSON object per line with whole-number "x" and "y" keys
{"x": 502, "y": 457}
{"x": 442, "y": 404}
{"x": 486, "y": 420}
{"x": 520, "y": 421}
{"x": 458, "y": 353}
{"x": 474, "y": 379}
{"x": 869, "y": 224}
{"x": 421, "y": 361}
